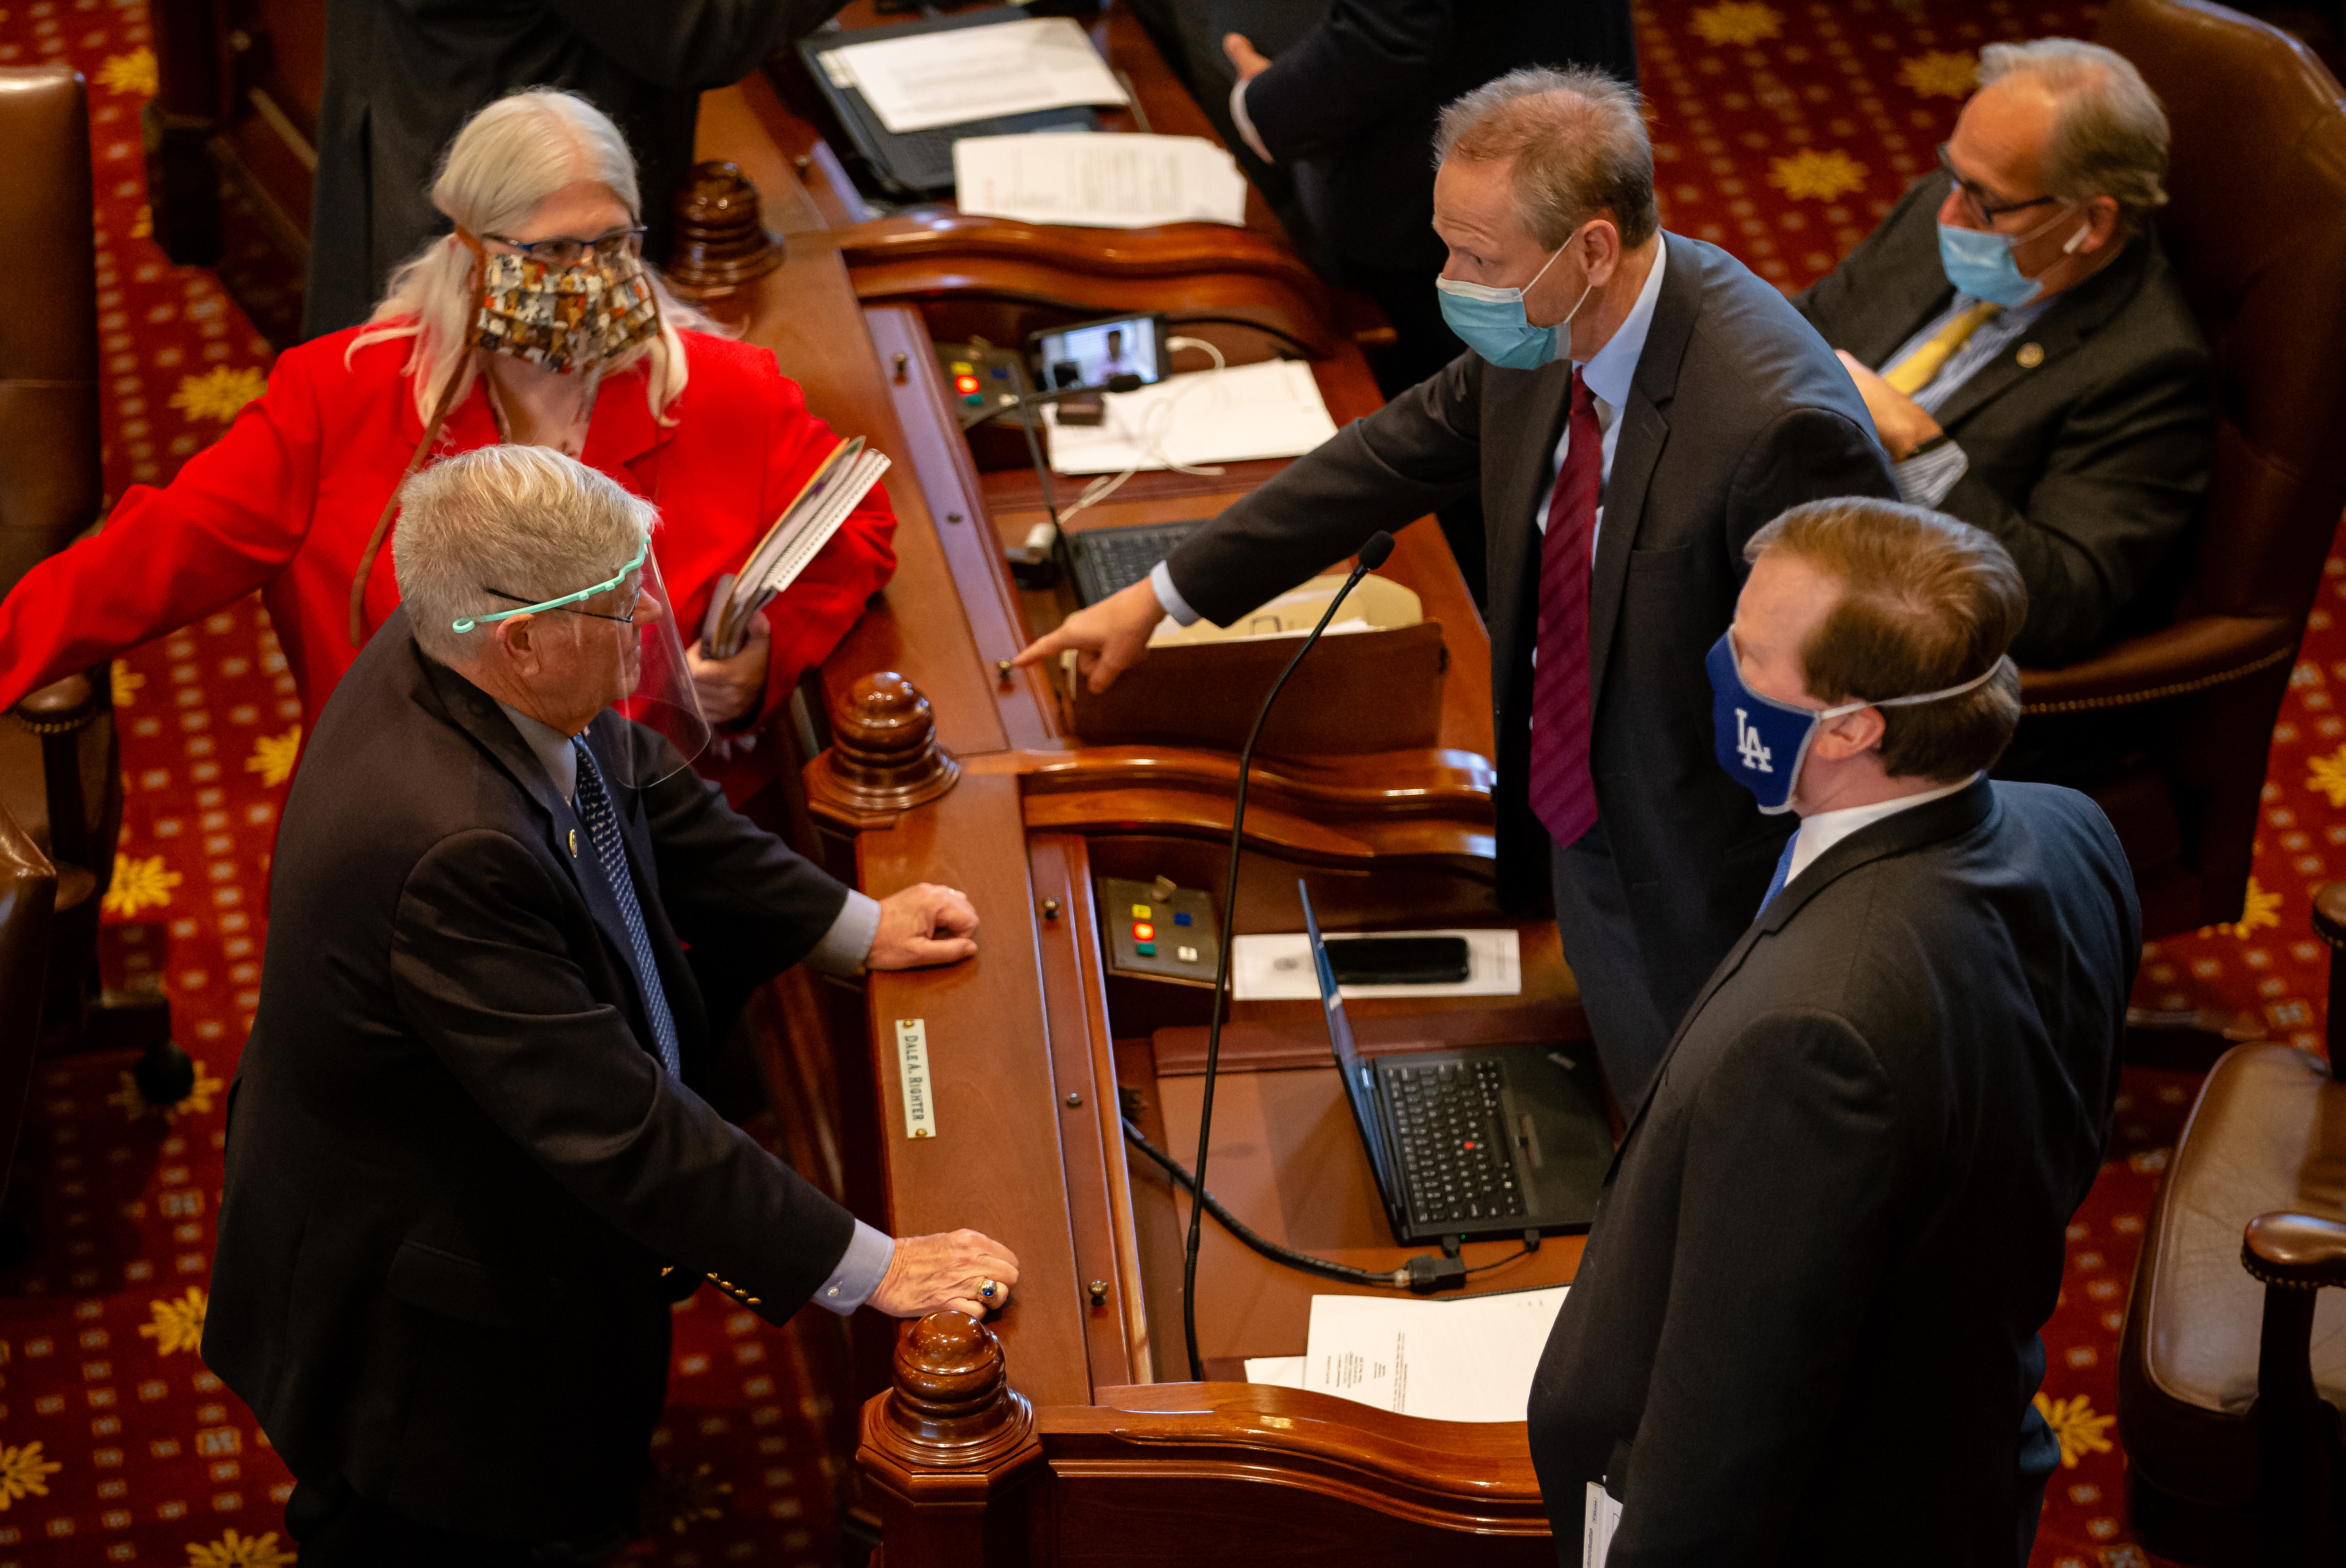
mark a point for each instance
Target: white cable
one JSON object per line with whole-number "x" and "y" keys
{"x": 1156, "y": 425}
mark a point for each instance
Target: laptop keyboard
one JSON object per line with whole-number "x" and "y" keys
{"x": 1454, "y": 1152}
{"x": 1110, "y": 560}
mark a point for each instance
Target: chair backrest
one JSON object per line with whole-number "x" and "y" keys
{"x": 28, "y": 894}
{"x": 51, "y": 479}
{"x": 2255, "y": 229}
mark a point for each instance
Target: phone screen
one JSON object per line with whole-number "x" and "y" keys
{"x": 1086, "y": 356}
{"x": 1398, "y": 960}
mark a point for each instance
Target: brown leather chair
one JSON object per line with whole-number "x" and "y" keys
{"x": 2256, "y": 230}
{"x": 2232, "y": 1369}
{"x": 28, "y": 894}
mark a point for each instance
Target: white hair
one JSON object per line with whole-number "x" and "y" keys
{"x": 2109, "y": 133}
{"x": 508, "y": 519}
{"x": 508, "y": 159}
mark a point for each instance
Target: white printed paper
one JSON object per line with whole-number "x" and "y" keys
{"x": 1276, "y": 966}
{"x": 1470, "y": 1360}
{"x": 1277, "y": 1371}
{"x": 964, "y": 74}
{"x": 1107, "y": 181}
{"x": 1269, "y": 410}
{"x": 913, "y": 1077}
{"x": 1600, "y": 1516}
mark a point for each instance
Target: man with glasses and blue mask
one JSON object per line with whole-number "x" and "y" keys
{"x": 2026, "y": 353}
{"x": 1634, "y": 405}
{"x": 1845, "y": 1202}
{"x": 471, "y": 1166}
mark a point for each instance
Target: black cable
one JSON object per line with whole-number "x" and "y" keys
{"x": 1373, "y": 555}
{"x": 1310, "y": 352}
{"x": 1264, "y": 1245}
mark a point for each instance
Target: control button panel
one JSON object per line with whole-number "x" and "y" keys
{"x": 1158, "y": 931}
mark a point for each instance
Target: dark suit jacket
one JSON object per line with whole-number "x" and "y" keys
{"x": 1810, "y": 1297}
{"x": 1353, "y": 101}
{"x": 1737, "y": 413}
{"x": 2089, "y": 465}
{"x": 404, "y": 75}
{"x": 456, "y": 1174}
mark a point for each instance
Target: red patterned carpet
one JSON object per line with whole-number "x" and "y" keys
{"x": 1783, "y": 132}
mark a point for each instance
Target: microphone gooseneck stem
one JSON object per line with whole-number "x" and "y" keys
{"x": 1373, "y": 555}
{"x": 1042, "y": 470}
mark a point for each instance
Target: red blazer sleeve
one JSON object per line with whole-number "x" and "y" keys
{"x": 810, "y": 615}
{"x": 225, "y": 526}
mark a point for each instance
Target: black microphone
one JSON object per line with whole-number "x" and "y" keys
{"x": 1373, "y": 555}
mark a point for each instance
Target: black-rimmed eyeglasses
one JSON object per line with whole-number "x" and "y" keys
{"x": 561, "y": 251}
{"x": 1987, "y": 212}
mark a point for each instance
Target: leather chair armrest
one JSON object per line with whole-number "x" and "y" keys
{"x": 2295, "y": 1251}
{"x": 2203, "y": 651}
{"x": 59, "y": 707}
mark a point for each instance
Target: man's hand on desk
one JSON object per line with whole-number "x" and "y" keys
{"x": 1109, "y": 638}
{"x": 1898, "y": 419}
{"x": 731, "y": 689}
{"x": 923, "y": 924}
{"x": 935, "y": 1273}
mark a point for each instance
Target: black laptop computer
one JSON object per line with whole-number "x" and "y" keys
{"x": 1483, "y": 1141}
{"x": 919, "y": 164}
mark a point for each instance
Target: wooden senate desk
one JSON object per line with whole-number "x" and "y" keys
{"x": 1066, "y": 1429}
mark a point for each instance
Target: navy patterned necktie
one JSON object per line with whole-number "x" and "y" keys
{"x": 603, "y": 834}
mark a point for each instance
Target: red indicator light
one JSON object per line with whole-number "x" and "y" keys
{"x": 1143, "y": 932}
{"x": 964, "y": 383}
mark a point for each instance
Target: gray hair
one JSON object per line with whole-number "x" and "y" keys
{"x": 524, "y": 520}
{"x": 1577, "y": 141}
{"x": 2109, "y": 133}
{"x": 508, "y": 159}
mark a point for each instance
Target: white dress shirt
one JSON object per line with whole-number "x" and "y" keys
{"x": 1826, "y": 829}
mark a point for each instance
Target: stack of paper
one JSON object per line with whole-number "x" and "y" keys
{"x": 805, "y": 526}
{"x": 1105, "y": 181}
{"x": 964, "y": 74}
{"x": 1277, "y": 966}
{"x": 1268, "y": 410}
{"x": 1466, "y": 1360}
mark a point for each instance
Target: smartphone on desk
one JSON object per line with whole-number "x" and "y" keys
{"x": 1088, "y": 353}
{"x": 1398, "y": 960}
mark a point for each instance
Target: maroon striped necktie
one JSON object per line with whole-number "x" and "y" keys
{"x": 1563, "y": 794}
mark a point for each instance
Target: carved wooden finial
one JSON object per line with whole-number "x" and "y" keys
{"x": 884, "y": 755}
{"x": 952, "y": 1404}
{"x": 720, "y": 244}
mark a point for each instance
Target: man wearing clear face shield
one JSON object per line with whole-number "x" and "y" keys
{"x": 470, "y": 1166}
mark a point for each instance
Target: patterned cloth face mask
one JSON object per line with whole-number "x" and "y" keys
{"x": 573, "y": 317}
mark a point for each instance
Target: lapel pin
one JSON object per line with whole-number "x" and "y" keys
{"x": 574, "y": 843}
{"x": 2030, "y": 356}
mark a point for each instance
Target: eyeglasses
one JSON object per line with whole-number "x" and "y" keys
{"x": 468, "y": 623}
{"x": 1976, "y": 202}
{"x": 563, "y": 251}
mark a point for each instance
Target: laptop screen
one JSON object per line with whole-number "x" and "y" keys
{"x": 1359, "y": 1091}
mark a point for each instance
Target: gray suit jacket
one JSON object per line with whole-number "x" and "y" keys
{"x": 1738, "y": 412}
{"x": 2091, "y": 460}
{"x": 1807, "y": 1319}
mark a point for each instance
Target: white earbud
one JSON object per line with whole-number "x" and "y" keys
{"x": 2077, "y": 239}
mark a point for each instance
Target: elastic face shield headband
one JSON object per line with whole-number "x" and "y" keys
{"x": 1762, "y": 742}
{"x": 469, "y": 622}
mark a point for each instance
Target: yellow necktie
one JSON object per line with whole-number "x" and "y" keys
{"x": 1913, "y": 374}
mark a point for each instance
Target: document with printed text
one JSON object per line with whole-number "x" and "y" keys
{"x": 1466, "y": 1360}
{"x": 1103, "y": 181}
{"x": 1269, "y": 410}
{"x": 965, "y": 73}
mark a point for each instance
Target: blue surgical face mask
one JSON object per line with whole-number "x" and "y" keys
{"x": 1493, "y": 322}
{"x": 1979, "y": 262}
{"x": 1762, "y": 742}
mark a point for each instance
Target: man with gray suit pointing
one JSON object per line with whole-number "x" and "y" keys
{"x": 1634, "y": 406}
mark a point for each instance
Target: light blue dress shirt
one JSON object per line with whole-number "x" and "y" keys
{"x": 1924, "y": 479}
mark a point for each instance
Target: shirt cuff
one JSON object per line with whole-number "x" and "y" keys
{"x": 1924, "y": 479}
{"x": 1161, "y": 577}
{"x": 845, "y": 945}
{"x": 1246, "y": 127}
{"x": 850, "y": 1285}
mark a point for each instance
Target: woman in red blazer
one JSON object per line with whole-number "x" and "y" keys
{"x": 293, "y": 500}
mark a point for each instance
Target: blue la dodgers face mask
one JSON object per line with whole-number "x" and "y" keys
{"x": 1979, "y": 262}
{"x": 1762, "y": 742}
{"x": 1494, "y": 323}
